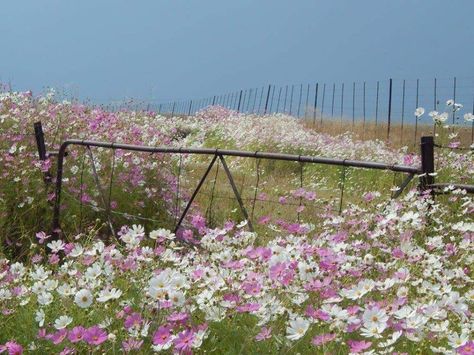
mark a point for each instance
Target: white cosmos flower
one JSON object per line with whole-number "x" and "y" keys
{"x": 419, "y": 112}
{"x": 162, "y": 233}
{"x": 62, "y": 322}
{"x": 45, "y": 298}
{"x": 177, "y": 297}
{"x": 83, "y": 298}
{"x": 39, "y": 317}
{"x": 106, "y": 295}
{"x": 456, "y": 340}
{"x": 354, "y": 293}
{"x": 93, "y": 271}
{"x": 56, "y": 246}
{"x": 375, "y": 317}
{"x": 50, "y": 285}
{"x": 372, "y": 330}
{"x": 391, "y": 340}
{"x": 137, "y": 230}
{"x": 76, "y": 251}
{"x": 450, "y": 102}
{"x": 66, "y": 290}
{"x": 297, "y": 328}
{"x": 440, "y": 118}
{"x": 469, "y": 117}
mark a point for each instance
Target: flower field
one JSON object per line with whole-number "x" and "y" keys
{"x": 335, "y": 266}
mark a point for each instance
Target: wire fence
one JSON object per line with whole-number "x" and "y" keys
{"x": 382, "y": 109}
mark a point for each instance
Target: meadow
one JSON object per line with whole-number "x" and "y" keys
{"x": 334, "y": 265}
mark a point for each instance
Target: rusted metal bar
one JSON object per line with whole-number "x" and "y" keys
{"x": 248, "y": 154}
{"x": 236, "y": 192}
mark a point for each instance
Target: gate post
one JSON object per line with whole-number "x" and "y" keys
{"x": 39, "y": 136}
{"x": 427, "y": 162}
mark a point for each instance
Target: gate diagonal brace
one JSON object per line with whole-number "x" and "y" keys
{"x": 403, "y": 185}
{"x": 101, "y": 192}
{"x": 236, "y": 192}
{"x": 193, "y": 196}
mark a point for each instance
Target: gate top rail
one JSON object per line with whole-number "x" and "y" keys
{"x": 244, "y": 154}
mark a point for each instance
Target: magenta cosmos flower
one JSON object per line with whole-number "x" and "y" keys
{"x": 95, "y": 335}
{"x": 265, "y": 333}
{"x": 358, "y": 346}
{"x": 76, "y": 334}
{"x": 466, "y": 349}
{"x": 12, "y": 347}
{"x": 184, "y": 341}
{"x": 162, "y": 335}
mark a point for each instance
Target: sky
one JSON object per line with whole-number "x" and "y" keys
{"x": 106, "y": 50}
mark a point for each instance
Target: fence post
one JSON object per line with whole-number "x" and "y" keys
{"x": 266, "y": 101}
{"x": 189, "y": 108}
{"x": 389, "y": 108}
{"x": 427, "y": 162}
{"x": 172, "y": 110}
{"x": 240, "y": 100}
{"x": 39, "y": 135}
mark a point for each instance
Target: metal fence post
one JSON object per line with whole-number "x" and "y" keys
{"x": 427, "y": 162}
{"x": 240, "y": 100}
{"x": 389, "y": 108}
{"x": 266, "y": 101}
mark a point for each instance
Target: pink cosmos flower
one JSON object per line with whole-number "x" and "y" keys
{"x": 134, "y": 320}
{"x": 358, "y": 346}
{"x": 95, "y": 335}
{"x": 252, "y": 288}
{"x": 76, "y": 334}
{"x": 36, "y": 259}
{"x": 198, "y": 221}
{"x": 131, "y": 344}
{"x": 265, "y": 333}
{"x": 178, "y": 317}
{"x": 184, "y": 341}
{"x": 466, "y": 349}
{"x": 59, "y": 336}
{"x": 12, "y": 347}
{"x": 42, "y": 237}
{"x": 162, "y": 335}
{"x": 248, "y": 307}
{"x": 53, "y": 259}
{"x": 323, "y": 339}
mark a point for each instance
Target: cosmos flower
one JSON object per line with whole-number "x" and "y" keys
{"x": 62, "y": 322}
{"x": 83, "y": 298}
{"x": 297, "y": 328}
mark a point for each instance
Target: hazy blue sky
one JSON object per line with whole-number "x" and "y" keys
{"x": 177, "y": 49}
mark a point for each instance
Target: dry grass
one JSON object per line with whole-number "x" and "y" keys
{"x": 406, "y": 135}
